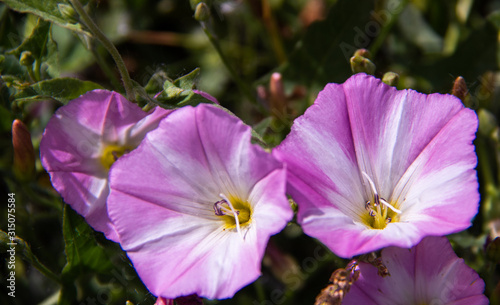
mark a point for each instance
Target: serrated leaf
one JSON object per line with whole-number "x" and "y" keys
{"x": 60, "y": 89}
{"x": 48, "y": 10}
{"x": 81, "y": 248}
{"x": 322, "y": 56}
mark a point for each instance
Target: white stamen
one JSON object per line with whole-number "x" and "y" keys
{"x": 376, "y": 196}
{"x": 372, "y": 185}
{"x": 234, "y": 213}
{"x": 387, "y": 204}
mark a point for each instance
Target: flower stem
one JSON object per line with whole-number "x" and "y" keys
{"x": 28, "y": 255}
{"x": 94, "y": 29}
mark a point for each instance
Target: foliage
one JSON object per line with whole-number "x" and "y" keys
{"x": 49, "y": 55}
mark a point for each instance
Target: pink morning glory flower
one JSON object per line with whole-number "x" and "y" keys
{"x": 202, "y": 202}
{"x": 81, "y": 142}
{"x": 370, "y": 166}
{"x": 429, "y": 273}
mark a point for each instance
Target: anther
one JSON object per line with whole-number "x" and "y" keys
{"x": 235, "y": 215}
{"x": 217, "y": 209}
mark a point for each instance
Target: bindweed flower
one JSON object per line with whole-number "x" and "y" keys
{"x": 429, "y": 273}
{"x": 201, "y": 204}
{"x": 81, "y": 142}
{"x": 370, "y": 166}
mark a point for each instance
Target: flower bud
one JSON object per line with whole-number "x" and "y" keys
{"x": 362, "y": 64}
{"x": 26, "y": 58}
{"x": 68, "y": 11}
{"x": 459, "y": 88}
{"x": 202, "y": 12}
{"x": 391, "y": 78}
{"x": 277, "y": 94}
{"x": 24, "y": 154}
{"x": 363, "y": 53}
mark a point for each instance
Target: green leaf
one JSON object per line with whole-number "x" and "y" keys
{"x": 179, "y": 93}
{"x": 36, "y": 42}
{"x": 322, "y": 56}
{"x": 188, "y": 81}
{"x": 48, "y": 10}
{"x": 10, "y": 66}
{"x": 261, "y": 127}
{"x": 81, "y": 248}
{"x": 60, "y": 89}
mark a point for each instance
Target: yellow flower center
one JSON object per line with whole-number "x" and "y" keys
{"x": 234, "y": 212}
{"x": 380, "y": 212}
{"x": 111, "y": 153}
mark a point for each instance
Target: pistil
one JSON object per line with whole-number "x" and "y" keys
{"x": 235, "y": 213}
{"x": 380, "y": 211}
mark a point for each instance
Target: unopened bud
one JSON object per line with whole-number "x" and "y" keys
{"x": 459, "y": 88}
{"x": 363, "y": 53}
{"x": 164, "y": 301}
{"x": 362, "y": 64}
{"x": 391, "y": 78}
{"x": 202, "y": 12}
{"x": 24, "y": 154}
{"x": 277, "y": 95}
{"x": 68, "y": 11}
{"x": 26, "y": 58}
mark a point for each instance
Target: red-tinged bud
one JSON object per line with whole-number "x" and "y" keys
{"x": 277, "y": 94}
{"x": 459, "y": 88}
{"x": 24, "y": 154}
{"x": 163, "y": 301}
{"x": 363, "y": 53}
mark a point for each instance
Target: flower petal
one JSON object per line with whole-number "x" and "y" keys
{"x": 425, "y": 274}
{"x": 178, "y": 245}
{"x": 416, "y": 148}
{"x": 72, "y": 145}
